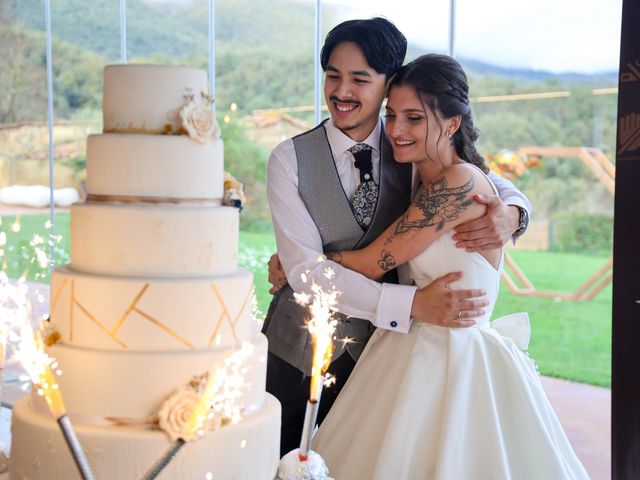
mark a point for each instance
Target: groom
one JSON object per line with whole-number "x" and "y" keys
{"x": 322, "y": 201}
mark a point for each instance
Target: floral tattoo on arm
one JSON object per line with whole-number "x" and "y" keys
{"x": 387, "y": 261}
{"x": 438, "y": 203}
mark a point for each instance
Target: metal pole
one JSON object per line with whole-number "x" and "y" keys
{"x": 212, "y": 52}
{"x": 318, "y": 71}
{"x": 47, "y": 21}
{"x": 123, "y": 31}
{"x": 452, "y": 27}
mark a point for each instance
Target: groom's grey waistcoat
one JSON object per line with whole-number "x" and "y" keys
{"x": 322, "y": 193}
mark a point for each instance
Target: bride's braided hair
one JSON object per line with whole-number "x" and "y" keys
{"x": 441, "y": 84}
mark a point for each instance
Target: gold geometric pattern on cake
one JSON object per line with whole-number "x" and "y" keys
{"x": 133, "y": 308}
{"x": 162, "y": 326}
{"x": 98, "y": 323}
{"x": 56, "y": 295}
{"x": 129, "y": 309}
{"x": 73, "y": 296}
{"x": 74, "y": 302}
{"x": 225, "y": 314}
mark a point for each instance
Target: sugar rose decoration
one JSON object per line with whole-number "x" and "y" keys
{"x": 199, "y": 122}
{"x": 175, "y": 412}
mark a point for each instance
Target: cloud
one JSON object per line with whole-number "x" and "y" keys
{"x": 554, "y": 35}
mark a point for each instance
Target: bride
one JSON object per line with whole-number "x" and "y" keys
{"x": 440, "y": 403}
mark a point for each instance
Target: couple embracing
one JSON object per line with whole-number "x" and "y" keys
{"x": 406, "y": 213}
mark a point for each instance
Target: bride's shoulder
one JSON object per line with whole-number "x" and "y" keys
{"x": 469, "y": 176}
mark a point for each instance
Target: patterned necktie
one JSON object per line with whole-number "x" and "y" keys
{"x": 366, "y": 194}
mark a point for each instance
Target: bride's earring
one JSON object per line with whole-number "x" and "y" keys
{"x": 450, "y": 135}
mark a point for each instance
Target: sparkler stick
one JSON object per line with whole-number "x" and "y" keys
{"x": 160, "y": 465}
{"x": 193, "y": 428}
{"x": 39, "y": 367}
{"x": 322, "y": 328}
{"x": 74, "y": 446}
{"x": 220, "y": 393}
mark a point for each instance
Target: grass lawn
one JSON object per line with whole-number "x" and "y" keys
{"x": 570, "y": 340}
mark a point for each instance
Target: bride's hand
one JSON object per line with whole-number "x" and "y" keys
{"x": 492, "y": 230}
{"x": 438, "y": 305}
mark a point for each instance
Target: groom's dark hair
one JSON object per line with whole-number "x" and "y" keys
{"x": 383, "y": 45}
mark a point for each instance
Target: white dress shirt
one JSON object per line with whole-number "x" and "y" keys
{"x": 300, "y": 246}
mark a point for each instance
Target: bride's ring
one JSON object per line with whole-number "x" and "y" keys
{"x": 459, "y": 313}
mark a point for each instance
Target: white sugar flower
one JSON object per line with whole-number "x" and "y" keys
{"x": 199, "y": 122}
{"x": 175, "y": 412}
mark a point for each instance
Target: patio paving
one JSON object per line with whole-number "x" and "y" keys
{"x": 585, "y": 413}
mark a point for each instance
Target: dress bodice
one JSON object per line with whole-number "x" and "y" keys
{"x": 442, "y": 257}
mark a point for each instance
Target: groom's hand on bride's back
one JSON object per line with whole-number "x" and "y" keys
{"x": 439, "y": 305}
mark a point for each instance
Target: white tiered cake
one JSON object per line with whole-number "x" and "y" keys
{"x": 152, "y": 297}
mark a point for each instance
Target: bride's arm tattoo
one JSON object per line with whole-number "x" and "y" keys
{"x": 387, "y": 261}
{"x": 439, "y": 204}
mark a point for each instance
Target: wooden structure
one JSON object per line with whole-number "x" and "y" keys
{"x": 605, "y": 171}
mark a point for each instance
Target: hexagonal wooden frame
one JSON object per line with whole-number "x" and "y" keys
{"x": 605, "y": 171}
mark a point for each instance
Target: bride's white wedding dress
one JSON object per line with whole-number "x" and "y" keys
{"x": 446, "y": 404}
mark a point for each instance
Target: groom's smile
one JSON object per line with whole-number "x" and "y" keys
{"x": 344, "y": 107}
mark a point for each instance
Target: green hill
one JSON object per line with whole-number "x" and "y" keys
{"x": 170, "y": 30}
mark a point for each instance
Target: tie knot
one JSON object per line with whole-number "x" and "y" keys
{"x": 362, "y": 155}
{"x": 360, "y": 147}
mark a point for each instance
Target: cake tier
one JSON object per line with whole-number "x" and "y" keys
{"x": 159, "y": 166}
{"x": 157, "y": 240}
{"x": 147, "y": 98}
{"x": 103, "y": 383}
{"x": 248, "y": 450}
{"x": 131, "y": 313}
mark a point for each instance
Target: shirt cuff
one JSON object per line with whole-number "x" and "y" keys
{"x": 394, "y": 307}
{"x": 517, "y": 202}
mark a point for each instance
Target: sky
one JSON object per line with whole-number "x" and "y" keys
{"x": 553, "y": 35}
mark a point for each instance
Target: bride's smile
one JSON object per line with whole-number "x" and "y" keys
{"x": 419, "y": 133}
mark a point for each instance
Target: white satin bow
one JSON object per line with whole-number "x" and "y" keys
{"x": 516, "y": 327}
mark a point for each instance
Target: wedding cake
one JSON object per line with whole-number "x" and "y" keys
{"x": 152, "y": 298}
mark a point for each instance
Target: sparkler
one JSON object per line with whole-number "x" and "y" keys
{"x": 194, "y": 427}
{"x": 220, "y": 398}
{"x": 39, "y": 366}
{"x": 322, "y": 328}
{"x": 304, "y": 463}
{"x": 16, "y": 315}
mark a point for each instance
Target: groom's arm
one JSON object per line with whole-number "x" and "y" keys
{"x": 506, "y": 219}
{"x": 301, "y": 254}
{"x": 509, "y": 193}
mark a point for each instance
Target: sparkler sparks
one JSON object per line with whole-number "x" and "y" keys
{"x": 321, "y": 326}
{"x": 38, "y": 365}
{"x": 16, "y": 318}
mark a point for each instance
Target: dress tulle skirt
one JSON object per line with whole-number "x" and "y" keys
{"x": 445, "y": 404}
